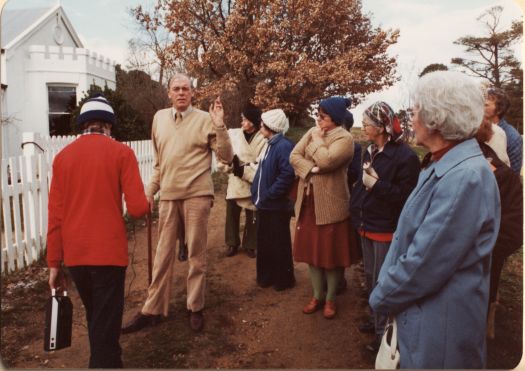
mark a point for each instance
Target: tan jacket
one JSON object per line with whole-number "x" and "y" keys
{"x": 182, "y": 167}
{"x": 332, "y": 154}
{"x": 248, "y": 153}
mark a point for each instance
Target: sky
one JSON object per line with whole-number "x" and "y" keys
{"x": 428, "y": 29}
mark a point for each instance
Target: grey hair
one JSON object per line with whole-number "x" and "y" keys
{"x": 450, "y": 103}
{"x": 180, "y": 75}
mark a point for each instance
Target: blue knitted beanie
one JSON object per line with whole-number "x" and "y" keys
{"x": 335, "y": 107}
{"x": 96, "y": 108}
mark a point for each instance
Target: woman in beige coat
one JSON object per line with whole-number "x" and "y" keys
{"x": 248, "y": 144}
{"x": 323, "y": 237}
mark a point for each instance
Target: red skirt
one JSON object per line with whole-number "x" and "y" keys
{"x": 324, "y": 246}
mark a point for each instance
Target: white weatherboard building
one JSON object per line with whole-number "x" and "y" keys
{"x": 45, "y": 71}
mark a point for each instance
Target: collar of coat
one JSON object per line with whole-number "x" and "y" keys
{"x": 459, "y": 153}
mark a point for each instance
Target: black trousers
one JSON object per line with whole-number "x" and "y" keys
{"x": 101, "y": 289}
{"x": 232, "y": 226}
{"x": 274, "y": 249}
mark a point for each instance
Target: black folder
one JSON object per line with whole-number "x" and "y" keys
{"x": 59, "y": 322}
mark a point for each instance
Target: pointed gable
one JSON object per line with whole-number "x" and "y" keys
{"x": 20, "y": 24}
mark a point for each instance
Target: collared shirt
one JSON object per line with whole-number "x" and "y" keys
{"x": 184, "y": 114}
{"x": 94, "y": 131}
{"x": 437, "y": 155}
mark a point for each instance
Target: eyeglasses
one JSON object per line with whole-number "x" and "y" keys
{"x": 411, "y": 112}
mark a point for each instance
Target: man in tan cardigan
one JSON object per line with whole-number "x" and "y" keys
{"x": 183, "y": 139}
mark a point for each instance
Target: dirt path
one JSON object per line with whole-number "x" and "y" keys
{"x": 246, "y": 326}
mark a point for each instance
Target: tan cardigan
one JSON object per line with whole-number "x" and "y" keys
{"x": 332, "y": 154}
{"x": 182, "y": 167}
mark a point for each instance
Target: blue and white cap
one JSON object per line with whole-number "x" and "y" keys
{"x": 96, "y": 108}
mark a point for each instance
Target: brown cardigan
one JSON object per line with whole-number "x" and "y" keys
{"x": 332, "y": 154}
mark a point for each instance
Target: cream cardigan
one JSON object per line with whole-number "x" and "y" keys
{"x": 248, "y": 153}
{"x": 332, "y": 154}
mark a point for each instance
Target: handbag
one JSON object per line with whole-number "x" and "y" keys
{"x": 59, "y": 322}
{"x": 388, "y": 355}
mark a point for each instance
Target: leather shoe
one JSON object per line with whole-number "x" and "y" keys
{"x": 139, "y": 321}
{"x": 367, "y": 327}
{"x": 313, "y": 306}
{"x": 183, "y": 252}
{"x": 251, "y": 253}
{"x": 196, "y": 321}
{"x": 283, "y": 287}
{"x": 329, "y": 309}
{"x": 232, "y": 250}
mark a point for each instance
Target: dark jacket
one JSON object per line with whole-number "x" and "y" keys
{"x": 510, "y": 235}
{"x": 355, "y": 166}
{"x": 378, "y": 209}
{"x": 274, "y": 176}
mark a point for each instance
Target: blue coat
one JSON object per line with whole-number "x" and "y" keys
{"x": 435, "y": 278}
{"x": 274, "y": 177}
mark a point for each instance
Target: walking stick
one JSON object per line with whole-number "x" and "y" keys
{"x": 148, "y": 221}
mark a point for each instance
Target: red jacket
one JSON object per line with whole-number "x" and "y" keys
{"x": 86, "y": 226}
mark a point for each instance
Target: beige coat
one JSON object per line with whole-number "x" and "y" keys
{"x": 332, "y": 154}
{"x": 248, "y": 153}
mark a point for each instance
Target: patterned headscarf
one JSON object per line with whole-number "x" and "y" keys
{"x": 381, "y": 114}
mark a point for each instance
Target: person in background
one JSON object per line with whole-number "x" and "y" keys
{"x": 389, "y": 172}
{"x": 183, "y": 139}
{"x": 270, "y": 188}
{"x": 352, "y": 174}
{"x": 496, "y": 105}
{"x": 436, "y": 275}
{"x": 491, "y": 134}
{"x": 323, "y": 237}
{"x": 510, "y": 235}
{"x": 86, "y": 230}
{"x": 248, "y": 143}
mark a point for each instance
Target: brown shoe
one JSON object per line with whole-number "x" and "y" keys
{"x": 139, "y": 321}
{"x": 196, "y": 321}
{"x": 313, "y": 306}
{"x": 329, "y": 309}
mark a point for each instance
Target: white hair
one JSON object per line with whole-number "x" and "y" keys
{"x": 450, "y": 103}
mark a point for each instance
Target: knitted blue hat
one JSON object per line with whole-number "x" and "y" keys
{"x": 349, "y": 120}
{"x": 335, "y": 107}
{"x": 96, "y": 108}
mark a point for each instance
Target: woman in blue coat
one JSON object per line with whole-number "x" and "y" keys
{"x": 435, "y": 278}
{"x": 270, "y": 188}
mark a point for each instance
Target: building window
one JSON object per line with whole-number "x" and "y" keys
{"x": 62, "y": 101}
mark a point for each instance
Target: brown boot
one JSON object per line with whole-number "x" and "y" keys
{"x": 329, "y": 309}
{"x": 312, "y": 306}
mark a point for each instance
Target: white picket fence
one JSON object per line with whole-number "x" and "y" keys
{"x": 25, "y": 184}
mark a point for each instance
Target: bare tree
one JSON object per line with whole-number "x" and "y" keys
{"x": 493, "y": 57}
{"x": 149, "y": 50}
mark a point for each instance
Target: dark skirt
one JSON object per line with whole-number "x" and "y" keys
{"x": 323, "y": 246}
{"x": 274, "y": 249}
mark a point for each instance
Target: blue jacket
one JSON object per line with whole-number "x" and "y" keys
{"x": 274, "y": 177}
{"x": 514, "y": 145}
{"x": 378, "y": 209}
{"x": 435, "y": 278}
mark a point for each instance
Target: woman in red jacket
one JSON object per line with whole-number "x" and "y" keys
{"x": 86, "y": 228}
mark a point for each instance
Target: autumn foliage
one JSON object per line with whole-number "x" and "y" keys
{"x": 276, "y": 53}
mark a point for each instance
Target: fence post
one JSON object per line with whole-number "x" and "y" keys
{"x": 31, "y": 149}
